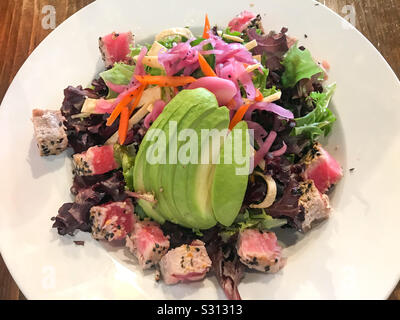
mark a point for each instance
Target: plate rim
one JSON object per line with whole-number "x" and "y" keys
{"x": 99, "y": 2}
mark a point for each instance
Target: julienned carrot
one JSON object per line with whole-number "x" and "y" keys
{"x": 259, "y": 96}
{"x": 137, "y": 99}
{"x": 205, "y": 67}
{"x": 124, "y": 102}
{"x": 123, "y": 125}
{"x": 238, "y": 116}
{"x": 206, "y": 28}
{"x": 166, "y": 81}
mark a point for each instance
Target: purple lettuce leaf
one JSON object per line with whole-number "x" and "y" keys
{"x": 226, "y": 266}
{"x": 89, "y": 192}
{"x": 270, "y": 44}
{"x": 87, "y": 132}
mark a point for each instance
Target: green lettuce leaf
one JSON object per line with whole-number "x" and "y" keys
{"x": 232, "y": 33}
{"x": 252, "y": 219}
{"x": 260, "y": 82}
{"x": 136, "y": 50}
{"x": 298, "y": 65}
{"x": 154, "y": 71}
{"x": 228, "y": 31}
{"x": 319, "y": 121}
{"x": 125, "y": 157}
{"x": 269, "y": 91}
{"x": 197, "y": 41}
{"x": 120, "y": 73}
{"x": 260, "y": 78}
{"x": 170, "y": 41}
{"x": 140, "y": 212}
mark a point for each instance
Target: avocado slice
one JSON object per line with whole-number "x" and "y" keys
{"x": 192, "y": 182}
{"x": 150, "y": 211}
{"x": 167, "y": 172}
{"x": 146, "y": 175}
{"x": 228, "y": 187}
{"x": 140, "y": 179}
{"x": 159, "y": 175}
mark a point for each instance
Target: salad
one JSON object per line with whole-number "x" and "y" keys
{"x": 145, "y": 174}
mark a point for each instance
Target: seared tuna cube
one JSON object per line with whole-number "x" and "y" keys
{"x": 95, "y": 160}
{"x": 322, "y": 168}
{"x": 49, "y": 131}
{"x": 115, "y": 47}
{"x": 148, "y": 243}
{"x": 112, "y": 221}
{"x": 185, "y": 263}
{"x": 260, "y": 250}
{"x": 241, "y": 21}
{"x": 314, "y": 206}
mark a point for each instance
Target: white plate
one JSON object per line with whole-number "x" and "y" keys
{"x": 354, "y": 255}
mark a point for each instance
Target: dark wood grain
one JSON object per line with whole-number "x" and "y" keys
{"x": 21, "y": 31}
{"x": 8, "y": 288}
{"x": 379, "y": 21}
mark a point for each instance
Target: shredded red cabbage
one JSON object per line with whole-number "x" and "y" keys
{"x": 181, "y": 56}
{"x": 264, "y": 148}
{"x": 103, "y": 106}
{"x": 118, "y": 88}
{"x": 158, "y": 107}
{"x": 259, "y": 132}
{"x": 279, "y": 152}
{"x": 270, "y": 107}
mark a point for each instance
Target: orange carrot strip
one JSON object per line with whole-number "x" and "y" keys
{"x": 238, "y": 116}
{"x": 137, "y": 99}
{"x": 123, "y": 125}
{"x": 124, "y": 102}
{"x": 259, "y": 97}
{"x": 206, "y": 28}
{"x": 205, "y": 67}
{"x": 166, "y": 81}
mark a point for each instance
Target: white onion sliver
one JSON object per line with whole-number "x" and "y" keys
{"x": 250, "y": 45}
{"x": 273, "y": 97}
{"x": 232, "y": 38}
{"x": 144, "y": 196}
{"x": 271, "y": 192}
{"x": 81, "y": 115}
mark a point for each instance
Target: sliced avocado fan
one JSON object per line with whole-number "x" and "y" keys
{"x": 175, "y": 109}
{"x": 189, "y": 194}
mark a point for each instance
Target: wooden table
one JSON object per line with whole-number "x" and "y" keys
{"x": 21, "y": 31}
